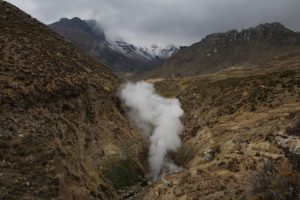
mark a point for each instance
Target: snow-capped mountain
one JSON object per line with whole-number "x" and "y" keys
{"x": 164, "y": 52}
{"x": 153, "y": 53}
{"x": 120, "y": 56}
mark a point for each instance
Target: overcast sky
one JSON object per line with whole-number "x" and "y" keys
{"x": 163, "y": 22}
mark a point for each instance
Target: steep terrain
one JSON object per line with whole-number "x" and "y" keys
{"x": 241, "y": 138}
{"x": 123, "y": 58}
{"x": 62, "y": 134}
{"x": 222, "y": 50}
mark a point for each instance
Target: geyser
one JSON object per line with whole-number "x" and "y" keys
{"x": 159, "y": 120}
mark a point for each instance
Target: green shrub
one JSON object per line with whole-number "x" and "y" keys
{"x": 123, "y": 173}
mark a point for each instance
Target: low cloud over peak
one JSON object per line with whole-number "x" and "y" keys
{"x": 164, "y": 22}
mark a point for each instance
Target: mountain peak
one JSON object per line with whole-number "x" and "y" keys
{"x": 273, "y": 32}
{"x": 221, "y": 50}
{"x": 86, "y": 28}
{"x": 64, "y": 19}
{"x": 72, "y": 20}
{"x": 118, "y": 54}
{"x": 273, "y": 25}
{"x": 150, "y": 53}
{"x": 76, "y": 19}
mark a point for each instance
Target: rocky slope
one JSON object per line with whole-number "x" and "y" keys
{"x": 119, "y": 55}
{"x": 241, "y": 138}
{"x": 222, "y": 50}
{"x": 62, "y": 133}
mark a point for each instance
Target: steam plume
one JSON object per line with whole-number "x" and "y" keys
{"x": 159, "y": 120}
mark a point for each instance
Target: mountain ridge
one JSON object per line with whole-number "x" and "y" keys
{"x": 65, "y": 135}
{"x": 221, "y": 50}
{"x": 119, "y": 55}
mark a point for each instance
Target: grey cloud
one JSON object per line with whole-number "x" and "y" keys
{"x": 165, "y": 22}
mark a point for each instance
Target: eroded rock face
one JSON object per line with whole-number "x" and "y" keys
{"x": 63, "y": 135}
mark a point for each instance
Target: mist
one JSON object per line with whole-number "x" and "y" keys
{"x": 164, "y": 22}
{"x": 158, "y": 118}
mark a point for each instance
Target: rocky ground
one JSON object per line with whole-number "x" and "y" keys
{"x": 241, "y": 137}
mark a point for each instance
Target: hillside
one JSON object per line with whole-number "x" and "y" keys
{"x": 241, "y": 137}
{"x": 63, "y": 135}
{"x": 121, "y": 57}
{"x": 222, "y": 50}
{"x": 64, "y": 132}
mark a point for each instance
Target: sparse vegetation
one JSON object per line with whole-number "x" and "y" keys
{"x": 62, "y": 130}
{"x": 236, "y": 115}
{"x": 275, "y": 181}
{"x": 294, "y": 129}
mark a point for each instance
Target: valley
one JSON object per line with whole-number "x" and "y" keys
{"x": 65, "y": 132}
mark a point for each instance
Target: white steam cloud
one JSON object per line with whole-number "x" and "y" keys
{"x": 159, "y": 120}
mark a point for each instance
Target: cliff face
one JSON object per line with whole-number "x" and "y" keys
{"x": 62, "y": 132}
{"x": 222, "y": 50}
